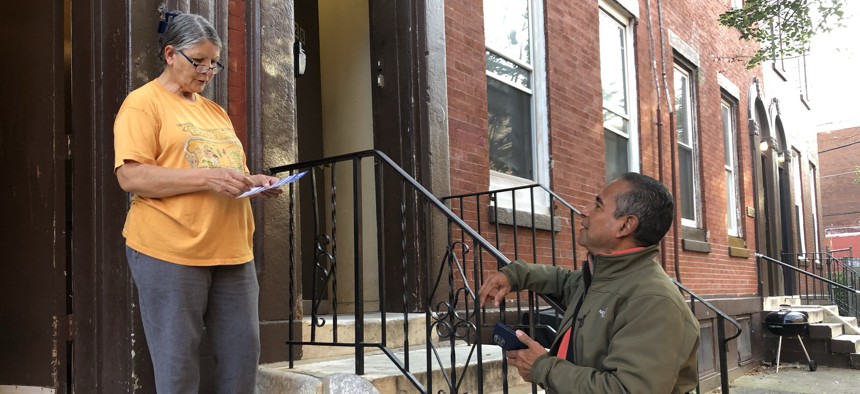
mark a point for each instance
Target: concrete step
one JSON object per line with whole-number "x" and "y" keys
{"x": 825, "y": 330}
{"x": 832, "y": 308}
{"x": 773, "y": 303}
{"x": 855, "y": 360}
{"x": 845, "y": 343}
{"x": 397, "y": 328}
{"x": 320, "y": 375}
{"x": 814, "y": 313}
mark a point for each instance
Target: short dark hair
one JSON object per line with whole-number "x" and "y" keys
{"x": 649, "y": 200}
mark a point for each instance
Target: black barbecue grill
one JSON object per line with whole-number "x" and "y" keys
{"x": 786, "y": 322}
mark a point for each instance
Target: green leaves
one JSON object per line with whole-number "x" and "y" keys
{"x": 783, "y": 28}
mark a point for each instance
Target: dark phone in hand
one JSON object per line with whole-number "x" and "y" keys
{"x": 506, "y": 337}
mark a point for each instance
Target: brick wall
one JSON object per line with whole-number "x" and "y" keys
{"x": 236, "y": 69}
{"x": 840, "y": 195}
{"x": 696, "y": 24}
{"x": 467, "y": 96}
{"x": 575, "y": 118}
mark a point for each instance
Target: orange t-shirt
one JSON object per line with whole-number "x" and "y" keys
{"x": 155, "y": 126}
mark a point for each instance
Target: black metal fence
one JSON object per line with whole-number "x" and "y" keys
{"x": 722, "y": 340}
{"x": 378, "y": 237}
{"x": 822, "y": 278}
{"x": 416, "y": 271}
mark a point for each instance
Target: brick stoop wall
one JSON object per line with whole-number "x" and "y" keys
{"x": 236, "y": 69}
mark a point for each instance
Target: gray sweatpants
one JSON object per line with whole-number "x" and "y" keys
{"x": 177, "y": 301}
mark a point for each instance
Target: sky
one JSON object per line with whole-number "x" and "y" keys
{"x": 833, "y": 73}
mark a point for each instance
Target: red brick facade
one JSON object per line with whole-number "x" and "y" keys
{"x": 574, "y": 107}
{"x": 236, "y": 69}
{"x": 840, "y": 193}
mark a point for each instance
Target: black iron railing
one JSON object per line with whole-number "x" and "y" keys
{"x": 523, "y": 223}
{"x": 416, "y": 271}
{"x": 408, "y": 223}
{"x": 821, "y": 278}
{"x": 534, "y": 223}
{"x": 722, "y": 340}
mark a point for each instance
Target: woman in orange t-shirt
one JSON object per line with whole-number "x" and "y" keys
{"x": 188, "y": 232}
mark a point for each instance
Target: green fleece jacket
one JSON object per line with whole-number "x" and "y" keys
{"x": 634, "y": 332}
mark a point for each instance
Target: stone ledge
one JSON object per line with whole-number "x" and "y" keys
{"x": 524, "y": 218}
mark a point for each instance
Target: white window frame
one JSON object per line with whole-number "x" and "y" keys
{"x": 690, "y": 115}
{"x": 622, "y": 15}
{"x": 733, "y": 217}
{"x": 737, "y": 4}
{"x": 798, "y": 198}
{"x": 540, "y": 122}
{"x": 813, "y": 198}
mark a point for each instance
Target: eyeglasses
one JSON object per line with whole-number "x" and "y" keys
{"x": 203, "y": 69}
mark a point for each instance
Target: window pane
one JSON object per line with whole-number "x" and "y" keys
{"x": 613, "y": 68}
{"x": 506, "y": 26}
{"x": 614, "y": 122}
{"x": 682, "y": 109}
{"x": 685, "y": 167}
{"x": 510, "y": 131}
{"x": 727, "y": 136}
{"x": 507, "y": 70}
{"x": 731, "y": 206}
{"x": 617, "y": 161}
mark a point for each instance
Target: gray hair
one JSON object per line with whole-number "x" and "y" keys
{"x": 651, "y": 202}
{"x": 186, "y": 30}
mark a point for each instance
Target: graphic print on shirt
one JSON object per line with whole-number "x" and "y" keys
{"x": 213, "y": 148}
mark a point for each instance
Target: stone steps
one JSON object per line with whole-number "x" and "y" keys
{"x": 832, "y": 340}
{"x": 398, "y": 328}
{"x": 336, "y": 375}
{"x": 331, "y": 369}
{"x": 846, "y": 343}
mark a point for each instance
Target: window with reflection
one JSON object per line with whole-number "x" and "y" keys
{"x": 733, "y": 226}
{"x": 509, "y": 31}
{"x": 685, "y": 126}
{"x": 616, "y": 72}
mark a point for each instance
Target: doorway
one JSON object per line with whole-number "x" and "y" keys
{"x": 362, "y": 90}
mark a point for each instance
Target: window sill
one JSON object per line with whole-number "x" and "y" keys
{"x": 738, "y": 247}
{"x": 694, "y": 240}
{"x": 524, "y": 218}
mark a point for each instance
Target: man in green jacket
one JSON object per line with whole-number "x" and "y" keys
{"x": 627, "y": 329}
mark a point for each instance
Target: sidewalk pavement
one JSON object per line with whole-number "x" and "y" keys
{"x": 796, "y": 378}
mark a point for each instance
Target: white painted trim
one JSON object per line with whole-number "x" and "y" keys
{"x": 736, "y": 218}
{"x": 540, "y": 121}
{"x": 632, "y": 133}
{"x": 727, "y": 85}
{"x": 797, "y": 190}
{"x": 630, "y": 7}
{"x": 684, "y": 49}
{"x": 694, "y": 146}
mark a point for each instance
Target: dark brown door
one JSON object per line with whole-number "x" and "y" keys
{"x": 109, "y": 38}
{"x": 34, "y": 287}
{"x": 67, "y": 311}
{"x": 399, "y": 130}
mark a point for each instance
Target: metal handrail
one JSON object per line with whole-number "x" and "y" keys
{"x": 424, "y": 192}
{"x": 325, "y": 255}
{"x": 808, "y": 274}
{"x": 721, "y": 334}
